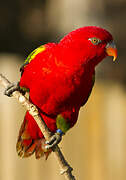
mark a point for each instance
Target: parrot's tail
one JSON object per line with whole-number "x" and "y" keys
{"x": 31, "y": 140}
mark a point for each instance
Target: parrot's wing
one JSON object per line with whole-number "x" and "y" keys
{"x": 93, "y": 81}
{"x": 32, "y": 56}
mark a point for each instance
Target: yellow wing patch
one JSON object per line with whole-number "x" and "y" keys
{"x": 34, "y": 53}
{"x": 32, "y": 56}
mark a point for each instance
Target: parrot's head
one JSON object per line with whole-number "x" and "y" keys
{"x": 95, "y": 43}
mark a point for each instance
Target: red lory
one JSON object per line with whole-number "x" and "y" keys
{"x": 59, "y": 78}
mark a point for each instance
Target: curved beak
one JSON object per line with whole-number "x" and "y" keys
{"x": 111, "y": 50}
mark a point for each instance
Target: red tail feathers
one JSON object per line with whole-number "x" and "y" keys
{"x": 31, "y": 139}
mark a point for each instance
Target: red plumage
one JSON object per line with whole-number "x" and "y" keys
{"x": 60, "y": 80}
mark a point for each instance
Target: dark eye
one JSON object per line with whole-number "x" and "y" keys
{"x": 95, "y": 40}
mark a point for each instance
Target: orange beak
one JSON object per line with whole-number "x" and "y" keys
{"x": 111, "y": 50}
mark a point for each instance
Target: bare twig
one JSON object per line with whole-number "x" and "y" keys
{"x": 64, "y": 166}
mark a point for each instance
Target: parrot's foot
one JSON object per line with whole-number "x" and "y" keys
{"x": 11, "y": 88}
{"x": 54, "y": 140}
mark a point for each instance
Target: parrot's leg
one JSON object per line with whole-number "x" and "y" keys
{"x": 62, "y": 127}
{"x": 55, "y": 139}
{"x": 13, "y": 87}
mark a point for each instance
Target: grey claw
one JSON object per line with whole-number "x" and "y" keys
{"x": 11, "y": 88}
{"x": 54, "y": 140}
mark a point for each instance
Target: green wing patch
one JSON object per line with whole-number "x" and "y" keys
{"x": 32, "y": 56}
{"x": 62, "y": 124}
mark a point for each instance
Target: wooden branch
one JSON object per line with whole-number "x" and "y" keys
{"x": 64, "y": 166}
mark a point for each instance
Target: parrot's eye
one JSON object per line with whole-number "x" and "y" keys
{"x": 95, "y": 40}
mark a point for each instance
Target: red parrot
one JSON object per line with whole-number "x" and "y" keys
{"x": 59, "y": 78}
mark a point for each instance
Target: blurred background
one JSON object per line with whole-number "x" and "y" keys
{"x": 96, "y": 146}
